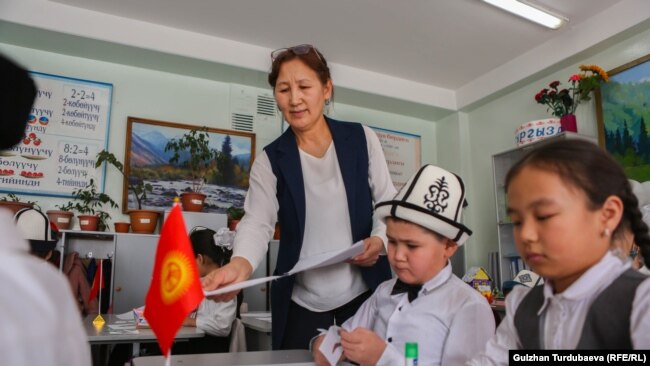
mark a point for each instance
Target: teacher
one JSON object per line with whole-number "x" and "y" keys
{"x": 319, "y": 180}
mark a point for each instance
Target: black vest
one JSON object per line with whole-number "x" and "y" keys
{"x": 607, "y": 324}
{"x": 352, "y": 152}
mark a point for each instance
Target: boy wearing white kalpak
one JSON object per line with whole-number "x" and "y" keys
{"x": 426, "y": 303}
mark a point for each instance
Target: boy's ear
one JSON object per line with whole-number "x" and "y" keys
{"x": 450, "y": 248}
{"x": 611, "y": 212}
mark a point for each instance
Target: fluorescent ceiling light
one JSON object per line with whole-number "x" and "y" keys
{"x": 529, "y": 12}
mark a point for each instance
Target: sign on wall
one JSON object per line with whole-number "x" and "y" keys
{"x": 67, "y": 127}
{"x": 402, "y": 153}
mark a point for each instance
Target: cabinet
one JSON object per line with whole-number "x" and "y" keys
{"x": 509, "y": 260}
{"x": 133, "y": 256}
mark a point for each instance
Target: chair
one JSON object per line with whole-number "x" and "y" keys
{"x": 238, "y": 332}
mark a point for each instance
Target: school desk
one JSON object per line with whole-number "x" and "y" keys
{"x": 260, "y": 358}
{"x": 116, "y": 331}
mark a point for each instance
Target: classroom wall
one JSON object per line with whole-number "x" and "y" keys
{"x": 166, "y": 96}
{"x": 492, "y": 126}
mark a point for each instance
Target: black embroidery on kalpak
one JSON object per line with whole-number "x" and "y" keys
{"x": 436, "y": 199}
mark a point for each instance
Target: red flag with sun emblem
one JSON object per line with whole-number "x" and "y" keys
{"x": 175, "y": 288}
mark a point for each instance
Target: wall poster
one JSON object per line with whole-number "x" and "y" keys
{"x": 67, "y": 127}
{"x": 402, "y": 153}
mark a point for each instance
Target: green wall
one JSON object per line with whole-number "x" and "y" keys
{"x": 179, "y": 97}
{"x": 492, "y": 130}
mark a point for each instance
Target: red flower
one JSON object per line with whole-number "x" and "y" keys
{"x": 575, "y": 77}
{"x": 554, "y": 84}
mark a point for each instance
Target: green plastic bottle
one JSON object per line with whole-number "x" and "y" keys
{"x": 411, "y": 354}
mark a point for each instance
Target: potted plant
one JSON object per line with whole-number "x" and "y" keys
{"x": 14, "y": 203}
{"x": 562, "y": 102}
{"x": 234, "y": 216}
{"x": 142, "y": 221}
{"x": 192, "y": 150}
{"x": 62, "y": 217}
{"x": 91, "y": 217}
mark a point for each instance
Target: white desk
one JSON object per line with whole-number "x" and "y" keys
{"x": 258, "y": 330}
{"x": 262, "y": 358}
{"x": 116, "y": 331}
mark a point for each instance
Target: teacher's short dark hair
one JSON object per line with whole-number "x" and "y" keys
{"x": 17, "y": 93}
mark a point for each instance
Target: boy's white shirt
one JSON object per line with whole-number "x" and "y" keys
{"x": 566, "y": 312}
{"x": 449, "y": 320}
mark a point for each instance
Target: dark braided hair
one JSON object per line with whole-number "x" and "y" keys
{"x": 203, "y": 243}
{"x": 585, "y": 166}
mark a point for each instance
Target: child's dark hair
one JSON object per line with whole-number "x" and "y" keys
{"x": 203, "y": 243}
{"x": 585, "y": 166}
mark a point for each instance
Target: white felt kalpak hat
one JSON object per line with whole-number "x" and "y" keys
{"x": 434, "y": 199}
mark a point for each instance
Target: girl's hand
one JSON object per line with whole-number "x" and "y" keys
{"x": 373, "y": 246}
{"x": 362, "y": 346}
{"x": 236, "y": 271}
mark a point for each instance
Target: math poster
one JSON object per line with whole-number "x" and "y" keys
{"x": 66, "y": 128}
{"x": 402, "y": 153}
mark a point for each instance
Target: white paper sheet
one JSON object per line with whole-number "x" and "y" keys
{"x": 326, "y": 259}
{"x": 304, "y": 264}
{"x": 331, "y": 345}
{"x": 240, "y": 285}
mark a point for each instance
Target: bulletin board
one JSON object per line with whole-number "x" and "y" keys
{"x": 67, "y": 126}
{"x": 402, "y": 152}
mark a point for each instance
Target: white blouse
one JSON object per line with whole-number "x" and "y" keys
{"x": 215, "y": 318}
{"x": 449, "y": 320}
{"x": 327, "y": 225}
{"x": 566, "y": 313}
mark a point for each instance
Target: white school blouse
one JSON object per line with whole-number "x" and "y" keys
{"x": 449, "y": 320}
{"x": 566, "y": 312}
{"x": 327, "y": 222}
{"x": 215, "y": 318}
{"x": 40, "y": 323}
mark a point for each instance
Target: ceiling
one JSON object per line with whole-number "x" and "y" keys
{"x": 443, "y": 53}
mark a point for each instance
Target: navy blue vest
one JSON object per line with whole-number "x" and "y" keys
{"x": 352, "y": 151}
{"x": 607, "y": 325}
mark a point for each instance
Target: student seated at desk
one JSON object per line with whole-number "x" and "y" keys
{"x": 427, "y": 303}
{"x": 214, "y": 318}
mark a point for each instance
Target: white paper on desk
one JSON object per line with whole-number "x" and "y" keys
{"x": 325, "y": 259}
{"x": 331, "y": 345}
{"x": 317, "y": 261}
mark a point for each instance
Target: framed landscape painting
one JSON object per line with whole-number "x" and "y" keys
{"x": 623, "y": 112}
{"x": 145, "y": 158}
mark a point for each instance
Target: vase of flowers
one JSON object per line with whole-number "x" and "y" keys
{"x": 562, "y": 102}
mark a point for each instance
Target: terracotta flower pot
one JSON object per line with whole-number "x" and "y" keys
{"x": 143, "y": 221}
{"x": 192, "y": 201}
{"x": 122, "y": 227}
{"x": 232, "y": 224}
{"x": 88, "y": 222}
{"x": 62, "y": 219}
{"x": 15, "y": 206}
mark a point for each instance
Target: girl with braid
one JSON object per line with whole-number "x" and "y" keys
{"x": 569, "y": 202}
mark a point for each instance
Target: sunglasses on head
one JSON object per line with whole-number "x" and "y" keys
{"x": 301, "y": 49}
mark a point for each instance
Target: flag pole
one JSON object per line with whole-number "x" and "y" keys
{"x": 101, "y": 274}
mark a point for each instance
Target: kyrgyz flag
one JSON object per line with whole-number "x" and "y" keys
{"x": 98, "y": 282}
{"x": 175, "y": 288}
